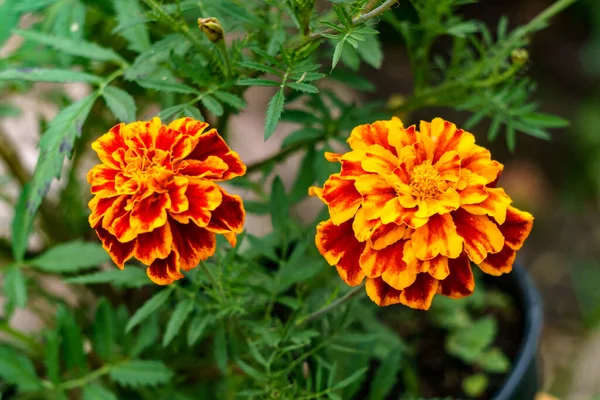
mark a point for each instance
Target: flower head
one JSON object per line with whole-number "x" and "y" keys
{"x": 156, "y": 196}
{"x": 410, "y": 210}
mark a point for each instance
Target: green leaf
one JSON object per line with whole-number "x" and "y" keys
{"x": 298, "y": 268}
{"x": 9, "y": 110}
{"x": 260, "y": 67}
{"x": 251, "y": 372}
{"x": 300, "y": 117}
{"x": 120, "y": 103}
{"x": 9, "y": 17}
{"x": 305, "y": 178}
{"x": 212, "y": 105}
{"x": 301, "y": 136}
{"x": 15, "y": 287}
{"x": 303, "y": 87}
{"x": 71, "y": 257}
{"x": 511, "y": 137}
{"x": 136, "y": 373}
{"x": 462, "y": 29}
{"x": 468, "y": 343}
{"x": 171, "y": 111}
{"x": 256, "y": 207}
{"x": 166, "y": 86}
{"x": 52, "y": 355}
{"x": 17, "y": 369}
{"x": 94, "y": 391}
{"x": 47, "y": 75}
{"x": 72, "y": 47}
{"x": 129, "y": 277}
{"x": 494, "y": 129}
{"x": 370, "y": 51}
{"x": 545, "y": 120}
{"x": 104, "y": 334}
{"x": 231, "y": 99}
{"x": 475, "y": 385}
{"x": 337, "y": 53}
{"x": 385, "y": 376}
{"x": 279, "y": 206}
{"x": 21, "y": 225}
{"x": 220, "y": 349}
{"x": 181, "y": 312}
{"x": 274, "y": 111}
{"x": 192, "y": 112}
{"x": 256, "y": 82}
{"x": 494, "y": 361}
{"x": 197, "y": 328}
{"x": 147, "y": 336}
{"x": 137, "y": 36}
{"x": 148, "y": 308}
{"x": 72, "y": 340}
{"x": 56, "y": 144}
{"x": 351, "y": 379}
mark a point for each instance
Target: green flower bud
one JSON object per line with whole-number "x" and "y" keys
{"x": 212, "y": 28}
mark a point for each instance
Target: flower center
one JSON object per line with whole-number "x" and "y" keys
{"x": 425, "y": 181}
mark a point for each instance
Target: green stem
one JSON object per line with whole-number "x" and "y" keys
{"x": 33, "y": 346}
{"x": 212, "y": 279}
{"x": 84, "y": 380}
{"x": 223, "y": 52}
{"x": 319, "y": 313}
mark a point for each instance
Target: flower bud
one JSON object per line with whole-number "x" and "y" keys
{"x": 519, "y": 56}
{"x": 212, "y": 28}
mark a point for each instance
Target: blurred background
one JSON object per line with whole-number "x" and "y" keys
{"x": 557, "y": 181}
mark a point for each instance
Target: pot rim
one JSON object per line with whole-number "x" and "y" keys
{"x": 531, "y": 303}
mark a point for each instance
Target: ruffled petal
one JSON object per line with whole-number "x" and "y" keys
{"x": 203, "y": 197}
{"x": 517, "y": 227}
{"x": 211, "y": 168}
{"x": 229, "y": 216}
{"x": 381, "y": 293}
{"x": 143, "y": 135}
{"x": 110, "y": 143}
{"x": 499, "y": 263}
{"x": 153, "y": 245}
{"x": 447, "y": 201}
{"x": 437, "y": 267}
{"x": 119, "y": 252}
{"x": 437, "y": 236}
{"x": 352, "y": 165}
{"x": 150, "y": 213}
{"x": 99, "y": 208}
{"x": 379, "y": 160}
{"x": 363, "y": 227}
{"x": 102, "y": 180}
{"x": 448, "y": 166}
{"x": 376, "y": 192}
{"x": 446, "y": 137}
{"x": 471, "y": 188}
{"x": 341, "y": 198}
{"x": 212, "y": 144}
{"x": 481, "y": 236}
{"x": 376, "y": 133}
{"x": 394, "y": 213}
{"x": 495, "y": 205}
{"x": 420, "y": 294}
{"x": 375, "y": 262}
{"x": 400, "y": 137}
{"x": 460, "y": 283}
{"x": 177, "y": 189}
{"x": 192, "y": 243}
{"x": 339, "y": 247}
{"x": 387, "y": 234}
{"x": 479, "y": 160}
{"x": 165, "y": 271}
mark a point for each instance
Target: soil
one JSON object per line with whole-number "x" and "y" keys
{"x": 438, "y": 374}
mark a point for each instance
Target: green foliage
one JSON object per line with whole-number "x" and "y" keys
{"x": 136, "y": 373}
{"x": 70, "y": 257}
{"x": 16, "y": 368}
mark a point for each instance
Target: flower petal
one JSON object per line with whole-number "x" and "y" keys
{"x": 460, "y": 283}
{"x": 400, "y": 137}
{"x": 499, "y": 263}
{"x": 448, "y": 166}
{"x": 150, "y": 213}
{"x": 394, "y": 212}
{"x": 229, "y": 216}
{"x": 381, "y": 293}
{"x": 364, "y": 228}
{"x": 339, "y": 247}
{"x": 379, "y": 160}
{"x": 376, "y": 192}
{"x": 446, "y": 137}
{"x": 164, "y": 271}
{"x": 420, "y": 294}
{"x": 177, "y": 189}
{"x": 375, "y": 262}
{"x": 387, "y": 234}
{"x": 102, "y": 180}
{"x": 203, "y": 197}
{"x": 516, "y": 228}
{"x": 212, "y": 144}
{"x": 210, "y": 168}
{"x": 153, "y": 245}
{"x": 472, "y": 188}
{"x": 352, "y": 164}
{"x": 437, "y": 267}
{"x": 99, "y": 208}
{"x": 437, "y": 236}
{"x": 495, "y": 205}
{"x": 341, "y": 197}
{"x": 448, "y": 201}
{"x": 481, "y": 236}
{"x": 192, "y": 243}
{"x": 376, "y": 133}
{"x": 479, "y": 160}
{"x": 108, "y": 144}
{"x": 119, "y": 252}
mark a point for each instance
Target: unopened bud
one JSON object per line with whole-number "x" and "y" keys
{"x": 212, "y": 28}
{"x": 519, "y": 56}
{"x": 305, "y": 370}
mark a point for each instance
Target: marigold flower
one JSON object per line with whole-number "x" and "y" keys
{"x": 410, "y": 210}
{"x": 155, "y": 196}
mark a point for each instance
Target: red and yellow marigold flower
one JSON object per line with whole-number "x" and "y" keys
{"x": 156, "y": 196}
{"x": 410, "y": 210}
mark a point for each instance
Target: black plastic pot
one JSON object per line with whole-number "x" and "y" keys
{"x": 523, "y": 382}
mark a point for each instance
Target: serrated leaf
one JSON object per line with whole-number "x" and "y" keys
{"x": 72, "y": 340}
{"x": 104, "y": 334}
{"x": 494, "y": 129}
{"x": 468, "y": 343}
{"x": 47, "y": 75}
{"x": 197, "y": 328}
{"x": 251, "y": 372}
{"x": 71, "y": 257}
{"x": 231, "y": 99}
{"x": 136, "y": 373}
{"x": 129, "y": 277}
{"x": 120, "y": 103}
{"x": 256, "y": 82}
{"x": 193, "y": 112}
{"x": 305, "y": 178}
{"x": 15, "y": 287}
{"x": 181, "y": 312}
{"x": 256, "y": 207}
{"x": 147, "y": 336}
{"x": 385, "y": 376}
{"x": 9, "y": 17}
{"x": 52, "y": 355}
{"x": 17, "y": 369}
{"x": 337, "y": 53}
{"x": 21, "y": 225}
{"x": 171, "y": 111}
{"x": 351, "y": 379}
{"x": 72, "y": 47}
{"x": 148, "y": 308}
{"x": 260, "y": 67}
{"x": 136, "y": 35}
{"x": 494, "y": 361}
{"x": 370, "y": 51}
{"x": 220, "y": 349}
{"x": 462, "y": 29}
{"x": 56, "y": 144}
{"x": 96, "y": 392}
{"x": 273, "y": 115}
{"x": 300, "y": 116}
{"x": 212, "y": 105}
{"x": 303, "y": 87}
{"x": 279, "y": 206}
{"x": 545, "y": 120}
{"x": 304, "y": 135}
{"x": 166, "y": 86}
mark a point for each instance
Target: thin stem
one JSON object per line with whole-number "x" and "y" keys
{"x": 84, "y": 380}
{"x": 371, "y": 5}
{"x": 277, "y": 157}
{"x": 33, "y": 346}
{"x": 223, "y": 52}
{"x": 319, "y": 313}
{"x": 212, "y": 279}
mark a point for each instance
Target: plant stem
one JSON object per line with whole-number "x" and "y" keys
{"x": 84, "y": 380}
{"x": 212, "y": 279}
{"x": 33, "y": 346}
{"x": 319, "y": 313}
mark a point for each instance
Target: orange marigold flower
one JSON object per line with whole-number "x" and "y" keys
{"x": 155, "y": 196}
{"x": 410, "y": 210}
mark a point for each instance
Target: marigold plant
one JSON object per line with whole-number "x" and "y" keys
{"x": 410, "y": 210}
{"x": 155, "y": 196}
